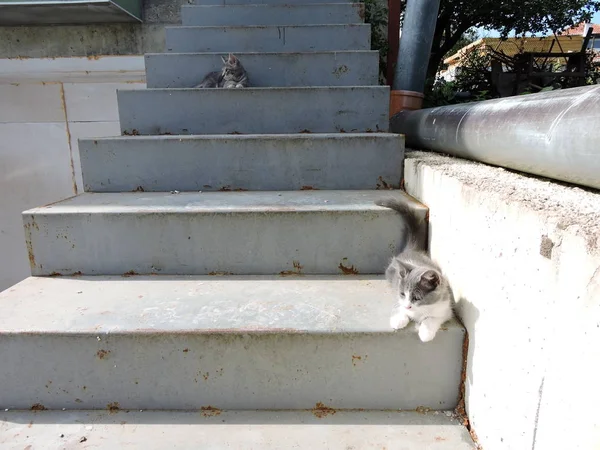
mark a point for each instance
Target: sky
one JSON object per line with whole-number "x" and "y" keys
{"x": 493, "y": 33}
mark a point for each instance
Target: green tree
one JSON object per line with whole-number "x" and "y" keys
{"x": 456, "y": 17}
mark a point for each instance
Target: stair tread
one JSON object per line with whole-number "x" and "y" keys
{"x": 308, "y": 25}
{"x": 224, "y": 202}
{"x": 248, "y": 52}
{"x": 200, "y": 304}
{"x": 243, "y": 430}
{"x": 253, "y": 136}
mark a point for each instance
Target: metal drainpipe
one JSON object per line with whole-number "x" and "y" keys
{"x": 554, "y": 134}
{"x": 413, "y": 54}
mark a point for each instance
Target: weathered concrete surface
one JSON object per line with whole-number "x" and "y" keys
{"x": 81, "y": 40}
{"x": 263, "y": 232}
{"x": 240, "y": 430}
{"x": 96, "y": 39}
{"x": 523, "y": 255}
{"x": 68, "y": 12}
{"x": 249, "y": 162}
{"x": 264, "y": 2}
{"x": 345, "y": 68}
{"x": 228, "y": 342}
{"x": 257, "y": 110}
{"x": 304, "y": 38}
{"x": 108, "y": 69}
{"x": 257, "y": 14}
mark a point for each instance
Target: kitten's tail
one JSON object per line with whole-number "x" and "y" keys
{"x": 410, "y": 239}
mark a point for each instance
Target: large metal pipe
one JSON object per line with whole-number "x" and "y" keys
{"x": 553, "y": 134}
{"x": 420, "y": 18}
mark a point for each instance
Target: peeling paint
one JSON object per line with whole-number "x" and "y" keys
{"x": 320, "y": 410}
{"x": 210, "y": 411}
{"x": 347, "y": 270}
{"x": 102, "y": 354}
{"x": 113, "y": 407}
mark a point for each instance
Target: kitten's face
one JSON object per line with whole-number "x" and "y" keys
{"x": 415, "y": 286}
{"x": 232, "y": 68}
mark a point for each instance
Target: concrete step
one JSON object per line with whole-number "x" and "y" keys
{"x": 254, "y": 110}
{"x": 312, "y": 232}
{"x": 256, "y": 14}
{"x": 347, "y": 68}
{"x": 305, "y": 38}
{"x": 241, "y": 430}
{"x": 223, "y": 342}
{"x": 265, "y": 2}
{"x": 248, "y": 162}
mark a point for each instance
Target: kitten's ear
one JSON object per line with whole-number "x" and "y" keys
{"x": 224, "y": 60}
{"x": 232, "y": 59}
{"x": 396, "y": 270}
{"x": 429, "y": 280}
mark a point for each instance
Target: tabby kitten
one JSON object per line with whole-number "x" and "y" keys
{"x": 423, "y": 292}
{"x": 233, "y": 75}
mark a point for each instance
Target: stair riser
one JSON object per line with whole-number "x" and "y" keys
{"x": 268, "y": 38}
{"x": 266, "y": 2}
{"x": 260, "y": 242}
{"x": 241, "y": 162}
{"x": 279, "y": 370}
{"x": 256, "y": 110}
{"x": 336, "y": 13}
{"x": 172, "y": 70}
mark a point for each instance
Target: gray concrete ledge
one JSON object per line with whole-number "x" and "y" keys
{"x": 523, "y": 258}
{"x": 93, "y": 40}
{"x": 81, "y": 40}
{"x": 183, "y": 343}
{"x": 240, "y": 430}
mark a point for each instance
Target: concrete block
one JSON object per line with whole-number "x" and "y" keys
{"x": 240, "y": 430}
{"x": 522, "y": 254}
{"x": 264, "y": 2}
{"x": 305, "y": 38}
{"x": 32, "y": 103}
{"x": 314, "y": 232}
{"x": 346, "y": 68}
{"x": 35, "y": 169}
{"x": 249, "y": 162}
{"x": 257, "y": 110}
{"x": 257, "y": 14}
{"x": 248, "y": 343}
{"x": 94, "y": 102}
{"x": 107, "y": 69}
{"x": 81, "y": 130}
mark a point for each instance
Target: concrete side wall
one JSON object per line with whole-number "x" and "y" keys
{"x": 96, "y": 39}
{"x": 523, "y": 256}
{"x": 46, "y": 105}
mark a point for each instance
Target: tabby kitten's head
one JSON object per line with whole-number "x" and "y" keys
{"x": 232, "y": 69}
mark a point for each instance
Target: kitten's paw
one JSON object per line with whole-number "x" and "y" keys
{"x": 426, "y": 333}
{"x": 399, "y": 321}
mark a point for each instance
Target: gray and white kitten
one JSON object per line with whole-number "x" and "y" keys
{"x": 423, "y": 292}
{"x": 233, "y": 75}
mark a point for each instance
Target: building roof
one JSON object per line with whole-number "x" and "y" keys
{"x": 581, "y": 29}
{"x": 512, "y": 46}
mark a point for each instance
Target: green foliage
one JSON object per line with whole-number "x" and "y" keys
{"x": 507, "y": 16}
{"x": 474, "y": 74}
{"x": 592, "y": 69}
{"x": 439, "y": 93}
{"x": 457, "y": 17}
{"x": 467, "y": 38}
{"x": 473, "y": 78}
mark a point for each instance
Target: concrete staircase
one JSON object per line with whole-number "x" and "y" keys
{"x": 209, "y": 270}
